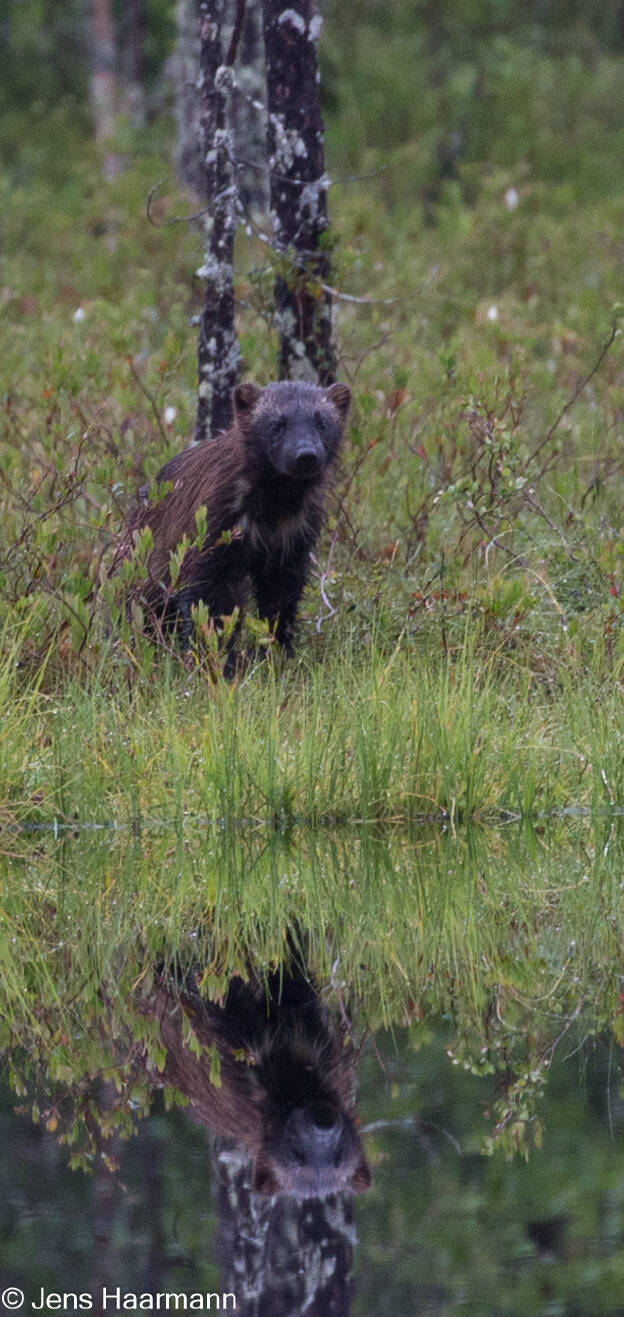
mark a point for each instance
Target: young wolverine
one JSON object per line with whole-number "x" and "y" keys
{"x": 263, "y": 484}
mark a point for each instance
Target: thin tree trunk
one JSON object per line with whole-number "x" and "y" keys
{"x": 103, "y": 76}
{"x": 218, "y": 355}
{"x": 132, "y": 58}
{"x": 185, "y": 73}
{"x": 298, "y": 189}
{"x": 105, "y": 1203}
{"x": 249, "y": 118}
{"x": 247, "y": 112}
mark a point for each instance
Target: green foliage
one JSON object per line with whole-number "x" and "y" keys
{"x": 438, "y": 95}
{"x": 43, "y": 44}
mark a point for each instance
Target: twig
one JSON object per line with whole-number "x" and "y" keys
{"x": 364, "y": 301}
{"x": 615, "y": 331}
{"x": 150, "y": 398}
{"x": 337, "y": 989}
{"x": 341, "y": 509}
{"x": 359, "y": 178}
{"x": 381, "y": 301}
{"x": 549, "y": 1051}
{"x": 498, "y": 544}
{"x": 331, "y": 611}
{"x": 287, "y": 178}
{"x": 353, "y": 371}
{"x": 533, "y": 503}
{"x": 236, "y": 32}
{"x": 176, "y": 219}
{"x": 411, "y": 1122}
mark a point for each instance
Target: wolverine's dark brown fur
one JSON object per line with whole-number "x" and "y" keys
{"x": 287, "y": 1087}
{"x": 263, "y": 484}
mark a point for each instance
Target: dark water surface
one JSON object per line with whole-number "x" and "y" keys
{"x": 442, "y": 1230}
{"x": 524, "y": 1054}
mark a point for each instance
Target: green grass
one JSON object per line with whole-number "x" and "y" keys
{"x": 359, "y": 734}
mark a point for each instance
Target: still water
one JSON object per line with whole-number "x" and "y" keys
{"x": 418, "y": 1036}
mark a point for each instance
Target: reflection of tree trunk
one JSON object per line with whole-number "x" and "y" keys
{"x": 281, "y": 1257}
{"x": 151, "y": 1148}
{"x": 106, "y": 1195}
{"x": 271, "y": 1077}
{"x": 186, "y": 95}
{"x": 218, "y": 354}
{"x": 298, "y": 185}
{"x": 103, "y": 78}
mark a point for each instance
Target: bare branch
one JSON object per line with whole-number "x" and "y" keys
{"x": 176, "y": 219}
{"x": 150, "y": 398}
{"x": 615, "y": 331}
{"x": 236, "y": 32}
{"x": 364, "y": 301}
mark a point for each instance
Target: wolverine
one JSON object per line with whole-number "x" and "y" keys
{"x": 263, "y": 485}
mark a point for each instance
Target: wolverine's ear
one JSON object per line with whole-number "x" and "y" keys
{"x": 245, "y": 398}
{"x": 340, "y": 396}
{"x": 264, "y": 1181}
{"x": 361, "y": 1178}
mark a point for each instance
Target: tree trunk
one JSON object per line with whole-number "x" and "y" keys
{"x": 249, "y": 118}
{"x": 218, "y": 355}
{"x": 247, "y": 112}
{"x": 298, "y": 191}
{"x": 132, "y": 58}
{"x": 106, "y": 1199}
{"x": 103, "y": 76}
{"x": 185, "y": 74}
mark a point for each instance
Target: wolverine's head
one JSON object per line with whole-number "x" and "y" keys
{"x": 296, "y": 427}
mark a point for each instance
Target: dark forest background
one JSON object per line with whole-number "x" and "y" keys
{"x": 425, "y": 87}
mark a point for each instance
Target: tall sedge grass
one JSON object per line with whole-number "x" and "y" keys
{"x": 378, "y": 735}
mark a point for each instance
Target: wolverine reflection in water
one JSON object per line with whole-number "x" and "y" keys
{"x": 287, "y": 1085}
{"x": 270, "y": 1074}
{"x": 287, "y": 1150}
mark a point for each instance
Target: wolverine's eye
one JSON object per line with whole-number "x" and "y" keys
{"x": 319, "y": 421}
{"x": 278, "y": 425}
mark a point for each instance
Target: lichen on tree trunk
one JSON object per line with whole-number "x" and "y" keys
{"x": 218, "y": 353}
{"x": 298, "y": 189}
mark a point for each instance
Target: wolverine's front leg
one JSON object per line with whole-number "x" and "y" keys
{"x": 219, "y": 580}
{"x": 278, "y": 590}
{"x": 180, "y": 608}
